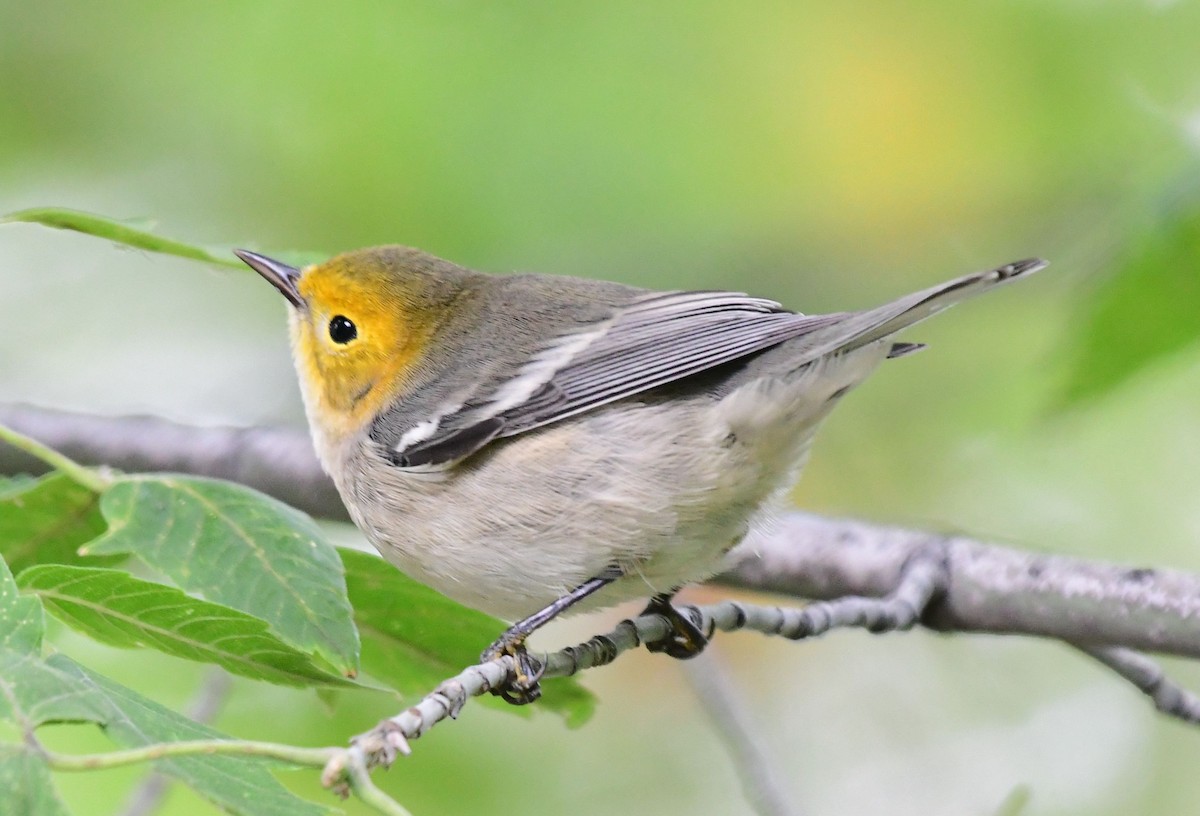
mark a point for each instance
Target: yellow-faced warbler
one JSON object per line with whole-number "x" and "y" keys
{"x": 527, "y": 444}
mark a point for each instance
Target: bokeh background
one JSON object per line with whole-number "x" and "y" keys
{"x": 828, "y": 155}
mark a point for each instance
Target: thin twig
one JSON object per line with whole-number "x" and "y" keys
{"x": 303, "y": 757}
{"x": 921, "y": 589}
{"x": 148, "y": 796}
{"x": 760, "y": 780}
{"x": 366, "y": 790}
{"x": 1148, "y": 677}
{"x": 55, "y": 460}
{"x": 899, "y": 611}
{"x": 353, "y": 774}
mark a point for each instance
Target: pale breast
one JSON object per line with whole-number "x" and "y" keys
{"x": 661, "y": 489}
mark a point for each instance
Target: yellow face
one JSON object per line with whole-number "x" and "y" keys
{"x": 356, "y": 339}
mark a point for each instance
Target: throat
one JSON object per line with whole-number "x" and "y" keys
{"x": 360, "y": 395}
{"x": 338, "y": 415}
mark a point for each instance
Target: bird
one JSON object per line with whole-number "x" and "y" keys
{"x": 530, "y": 444}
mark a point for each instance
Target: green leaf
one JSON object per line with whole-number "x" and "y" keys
{"x": 137, "y": 233}
{"x": 33, "y": 692}
{"x": 240, "y": 785}
{"x": 115, "y": 608}
{"x": 237, "y": 547}
{"x": 25, "y": 781}
{"x": 14, "y": 484}
{"x": 414, "y": 637}
{"x": 122, "y": 233}
{"x": 36, "y": 690}
{"x": 1016, "y": 803}
{"x": 46, "y": 521}
{"x": 1147, "y": 309}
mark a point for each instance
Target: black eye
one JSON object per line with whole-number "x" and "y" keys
{"x": 342, "y": 329}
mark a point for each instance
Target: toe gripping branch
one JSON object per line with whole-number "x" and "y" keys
{"x": 922, "y": 582}
{"x": 920, "y": 586}
{"x": 525, "y": 686}
{"x": 528, "y": 670}
{"x": 684, "y": 639}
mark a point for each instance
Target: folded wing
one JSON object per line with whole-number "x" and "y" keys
{"x": 662, "y": 338}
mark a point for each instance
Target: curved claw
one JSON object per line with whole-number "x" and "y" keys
{"x": 685, "y": 640}
{"x": 524, "y": 688}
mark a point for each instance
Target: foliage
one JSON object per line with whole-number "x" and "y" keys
{"x": 235, "y": 579}
{"x": 249, "y": 584}
{"x": 826, "y": 155}
{"x": 1145, "y": 309}
{"x": 37, "y": 688}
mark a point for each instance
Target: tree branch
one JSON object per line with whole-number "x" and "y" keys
{"x": 278, "y": 461}
{"x": 989, "y": 588}
{"x": 864, "y": 575}
{"x": 348, "y": 769}
{"x": 919, "y": 584}
{"x": 993, "y": 589}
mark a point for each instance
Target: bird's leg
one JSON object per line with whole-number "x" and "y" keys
{"x": 525, "y": 687}
{"x": 685, "y": 639}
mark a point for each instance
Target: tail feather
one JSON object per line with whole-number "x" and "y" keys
{"x": 875, "y": 324}
{"x": 903, "y": 349}
{"x": 860, "y": 329}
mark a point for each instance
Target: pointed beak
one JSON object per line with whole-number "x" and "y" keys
{"x": 278, "y": 274}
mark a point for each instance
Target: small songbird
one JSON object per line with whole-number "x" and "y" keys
{"x": 527, "y": 444}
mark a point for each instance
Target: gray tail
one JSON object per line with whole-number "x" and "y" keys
{"x": 904, "y": 349}
{"x": 859, "y": 329}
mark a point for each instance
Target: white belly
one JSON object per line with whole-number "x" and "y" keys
{"x": 662, "y": 490}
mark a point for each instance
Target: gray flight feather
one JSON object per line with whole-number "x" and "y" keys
{"x": 649, "y": 340}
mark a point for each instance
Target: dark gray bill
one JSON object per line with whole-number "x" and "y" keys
{"x": 278, "y": 274}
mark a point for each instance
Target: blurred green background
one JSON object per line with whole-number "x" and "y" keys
{"x": 827, "y": 155}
